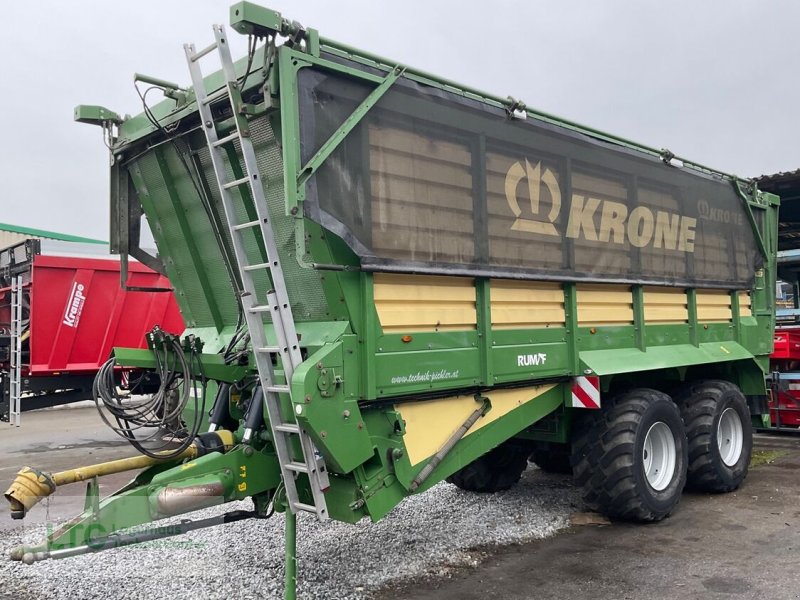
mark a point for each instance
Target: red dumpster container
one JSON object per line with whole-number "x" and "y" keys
{"x": 79, "y": 312}
{"x": 73, "y": 312}
{"x": 784, "y": 403}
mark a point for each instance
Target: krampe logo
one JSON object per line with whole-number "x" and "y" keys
{"x": 75, "y": 303}
{"x": 594, "y": 219}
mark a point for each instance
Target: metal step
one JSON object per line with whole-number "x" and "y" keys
{"x": 236, "y": 182}
{"x": 259, "y": 308}
{"x": 214, "y": 97}
{"x": 228, "y": 138}
{"x": 256, "y": 267}
{"x": 278, "y": 389}
{"x": 287, "y": 427}
{"x": 269, "y": 349}
{"x": 297, "y": 467}
{"x": 198, "y": 55}
{"x": 247, "y": 225}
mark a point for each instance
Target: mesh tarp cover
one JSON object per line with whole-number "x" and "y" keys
{"x": 434, "y": 182}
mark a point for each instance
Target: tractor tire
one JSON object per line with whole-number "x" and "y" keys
{"x": 719, "y": 432}
{"x": 552, "y": 458}
{"x": 630, "y": 457}
{"x": 495, "y": 471}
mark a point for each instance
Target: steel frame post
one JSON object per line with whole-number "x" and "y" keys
{"x": 290, "y": 542}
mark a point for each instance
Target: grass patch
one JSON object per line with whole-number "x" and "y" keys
{"x": 766, "y": 457}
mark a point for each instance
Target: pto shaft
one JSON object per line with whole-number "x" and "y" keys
{"x": 31, "y": 485}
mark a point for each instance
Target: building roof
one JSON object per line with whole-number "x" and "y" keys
{"x": 51, "y": 235}
{"x": 778, "y": 178}
{"x": 787, "y": 186}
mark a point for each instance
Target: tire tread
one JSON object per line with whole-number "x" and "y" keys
{"x": 602, "y": 443}
{"x": 698, "y": 402}
{"x": 495, "y": 471}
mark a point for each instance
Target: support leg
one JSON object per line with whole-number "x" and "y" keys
{"x": 290, "y": 592}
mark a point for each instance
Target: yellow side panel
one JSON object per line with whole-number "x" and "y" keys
{"x": 523, "y": 304}
{"x": 430, "y": 423}
{"x": 414, "y": 303}
{"x": 745, "y": 308}
{"x": 604, "y": 304}
{"x": 665, "y": 305}
{"x": 714, "y": 306}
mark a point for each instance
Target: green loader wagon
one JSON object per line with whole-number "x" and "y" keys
{"x": 390, "y": 280}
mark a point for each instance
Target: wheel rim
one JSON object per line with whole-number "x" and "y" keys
{"x": 659, "y": 456}
{"x": 730, "y": 437}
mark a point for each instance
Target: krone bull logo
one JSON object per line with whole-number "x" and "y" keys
{"x": 535, "y": 178}
{"x": 600, "y": 220}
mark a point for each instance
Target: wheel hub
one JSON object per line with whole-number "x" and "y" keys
{"x": 730, "y": 437}
{"x": 659, "y": 456}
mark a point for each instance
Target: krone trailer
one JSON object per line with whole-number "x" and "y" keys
{"x": 389, "y": 279}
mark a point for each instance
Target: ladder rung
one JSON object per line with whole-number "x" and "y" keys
{"x": 246, "y": 225}
{"x": 288, "y": 428}
{"x": 236, "y": 182}
{"x": 214, "y": 96}
{"x": 226, "y": 139}
{"x": 305, "y": 507}
{"x": 256, "y": 267}
{"x": 278, "y": 389}
{"x": 258, "y": 308}
{"x": 297, "y": 467}
{"x": 198, "y": 55}
{"x": 269, "y": 349}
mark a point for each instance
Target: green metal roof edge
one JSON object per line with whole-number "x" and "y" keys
{"x": 64, "y": 237}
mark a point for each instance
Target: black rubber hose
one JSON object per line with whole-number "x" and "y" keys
{"x": 255, "y": 412}
{"x": 219, "y": 411}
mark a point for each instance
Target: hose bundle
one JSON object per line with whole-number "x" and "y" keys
{"x": 153, "y": 422}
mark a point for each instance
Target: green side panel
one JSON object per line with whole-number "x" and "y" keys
{"x": 630, "y": 360}
{"x": 328, "y": 410}
{"x": 170, "y": 190}
{"x": 757, "y": 335}
{"x": 172, "y": 221}
{"x": 303, "y": 284}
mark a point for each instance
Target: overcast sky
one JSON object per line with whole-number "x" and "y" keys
{"x": 715, "y": 81}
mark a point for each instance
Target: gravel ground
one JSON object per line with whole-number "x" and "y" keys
{"x": 429, "y": 534}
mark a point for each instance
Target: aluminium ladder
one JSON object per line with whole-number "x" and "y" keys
{"x": 15, "y": 364}
{"x": 277, "y": 299}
